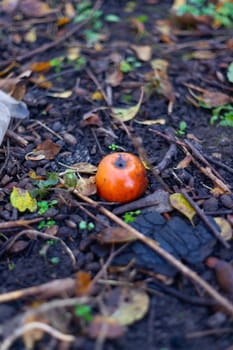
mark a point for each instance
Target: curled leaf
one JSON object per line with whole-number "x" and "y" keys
{"x": 126, "y": 114}
{"x": 178, "y": 202}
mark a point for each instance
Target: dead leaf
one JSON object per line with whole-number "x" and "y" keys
{"x": 16, "y": 87}
{"x": 115, "y": 76}
{"x": 200, "y": 55}
{"x": 46, "y": 150}
{"x": 84, "y": 168}
{"x": 73, "y": 53}
{"x": 224, "y": 273}
{"x": 97, "y": 96}
{"x": 209, "y": 98}
{"x": 144, "y": 53}
{"x": 133, "y": 306}
{"x": 166, "y": 31}
{"x": 225, "y": 228}
{"x": 82, "y": 283}
{"x": 35, "y": 8}
{"x": 107, "y": 325}
{"x": 160, "y": 121}
{"x": 160, "y": 81}
{"x": 30, "y": 338}
{"x": 86, "y": 186}
{"x": 138, "y": 25}
{"x": 63, "y": 94}
{"x": 126, "y": 114}
{"x": 40, "y": 67}
{"x": 115, "y": 235}
{"x": 91, "y": 118}
{"x": 31, "y": 36}
{"x": 184, "y": 163}
{"x": 179, "y": 202}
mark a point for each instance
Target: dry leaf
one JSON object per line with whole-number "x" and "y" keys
{"x": 144, "y": 53}
{"x": 86, "y": 186}
{"x": 111, "y": 328}
{"x": 63, "y": 94}
{"x": 126, "y": 114}
{"x": 133, "y": 306}
{"x": 224, "y": 273}
{"x": 225, "y": 228}
{"x": 160, "y": 121}
{"x": 73, "y": 53}
{"x": 84, "y": 168}
{"x": 30, "y": 338}
{"x": 115, "y": 76}
{"x": 178, "y": 201}
{"x": 82, "y": 283}
{"x": 184, "y": 163}
{"x": 138, "y": 25}
{"x": 46, "y": 150}
{"x": 35, "y": 8}
{"x": 91, "y": 118}
{"x": 16, "y": 87}
{"x": 39, "y": 67}
{"x": 116, "y": 234}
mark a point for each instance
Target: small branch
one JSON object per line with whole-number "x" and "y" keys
{"x": 16, "y": 223}
{"x": 19, "y": 332}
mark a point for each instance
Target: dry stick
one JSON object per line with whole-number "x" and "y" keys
{"x": 57, "y": 42}
{"x": 38, "y": 234}
{"x": 32, "y": 326}
{"x": 193, "y": 276}
{"x": 205, "y": 219}
{"x": 16, "y": 223}
{"x": 17, "y": 138}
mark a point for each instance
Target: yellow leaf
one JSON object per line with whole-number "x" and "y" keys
{"x": 178, "y": 202}
{"x": 225, "y": 227}
{"x": 64, "y": 94}
{"x": 97, "y": 96}
{"x": 160, "y": 121}
{"x": 126, "y": 114}
{"x": 22, "y": 200}
{"x": 133, "y": 306}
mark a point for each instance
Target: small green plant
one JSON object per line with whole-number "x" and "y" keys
{"x": 55, "y": 260}
{"x": 11, "y": 266}
{"x": 83, "y": 312}
{"x": 182, "y": 128}
{"x": 129, "y": 64}
{"x": 222, "y": 12}
{"x": 112, "y": 18}
{"x": 46, "y": 224}
{"x": 83, "y": 225}
{"x": 56, "y": 63}
{"x": 70, "y": 179}
{"x": 114, "y": 147}
{"x": 223, "y": 115}
{"x": 131, "y": 216}
{"x": 230, "y": 72}
{"x": 43, "y": 186}
{"x": 80, "y": 63}
{"x": 45, "y": 205}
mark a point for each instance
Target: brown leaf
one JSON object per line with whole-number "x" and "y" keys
{"x": 225, "y": 228}
{"x": 115, "y": 235}
{"x": 46, "y": 150}
{"x": 39, "y": 67}
{"x": 86, "y": 186}
{"x": 35, "y": 8}
{"x": 184, "y": 163}
{"x": 224, "y": 273}
{"x": 115, "y": 77}
{"x": 16, "y": 87}
{"x": 82, "y": 283}
{"x": 111, "y": 328}
{"x": 30, "y": 338}
{"x": 19, "y": 246}
{"x": 91, "y": 118}
{"x": 144, "y": 53}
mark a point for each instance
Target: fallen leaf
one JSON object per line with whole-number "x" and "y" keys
{"x": 97, "y": 96}
{"x": 138, "y": 25}
{"x": 178, "y": 201}
{"x": 46, "y": 150}
{"x": 184, "y": 163}
{"x": 166, "y": 31}
{"x": 115, "y": 76}
{"x": 107, "y": 325}
{"x": 35, "y": 8}
{"x": 63, "y": 94}
{"x": 84, "y": 168}
{"x": 30, "y": 338}
{"x": 73, "y": 53}
{"x": 22, "y": 200}
{"x": 224, "y": 273}
{"x": 114, "y": 235}
{"x": 62, "y": 21}
{"x": 91, "y": 118}
{"x": 160, "y": 121}
{"x": 126, "y": 114}
{"x": 82, "y": 283}
{"x": 144, "y": 53}
{"x": 225, "y": 228}
{"x": 16, "y": 87}
{"x": 86, "y": 186}
{"x": 133, "y": 306}
{"x": 39, "y": 67}
{"x": 31, "y": 36}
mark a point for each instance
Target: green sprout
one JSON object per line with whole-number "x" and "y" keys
{"x": 55, "y": 260}
{"x": 83, "y": 312}
{"x": 112, "y": 18}
{"x": 45, "y": 205}
{"x": 182, "y": 128}
{"x": 83, "y": 225}
{"x": 11, "y": 266}
{"x": 46, "y": 224}
{"x": 70, "y": 179}
{"x": 223, "y": 115}
{"x": 129, "y": 64}
{"x": 131, "y": 216}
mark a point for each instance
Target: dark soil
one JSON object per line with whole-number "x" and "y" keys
{"x": 178, "y": 312}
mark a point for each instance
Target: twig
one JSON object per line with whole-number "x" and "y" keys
{"x": 202, "y": 215}
{"x": 98, "y": 85}
{"x": 217, "y": 162}
{"x": 19, "y": 332}
{"x": 35, "y": 233}
{"x": 16, "y": 223}
{"x": 17, "y": 138}
{"x": 46, "y": 128}
{"x": 56, "y": 42}
{"x": 193, "y": 276}
{"x": 208, "y": 332}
